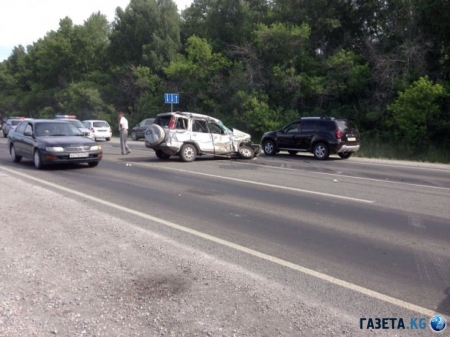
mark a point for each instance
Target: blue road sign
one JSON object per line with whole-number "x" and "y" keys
{"x": 172, "y": 98}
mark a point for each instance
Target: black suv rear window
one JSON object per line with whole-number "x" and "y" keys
{"x": 308, "y": 126}
{"x": 345, "y": 124}
{"x": 326, "y": 126}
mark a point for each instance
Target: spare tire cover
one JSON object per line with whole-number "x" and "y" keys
{"x": 154, "y": 135}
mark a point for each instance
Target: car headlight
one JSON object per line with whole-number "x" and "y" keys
{"x": 54, "y": 149}
{"x": 96, "y": 148}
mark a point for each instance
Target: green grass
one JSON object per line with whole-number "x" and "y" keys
{"x": 377, "y": 148}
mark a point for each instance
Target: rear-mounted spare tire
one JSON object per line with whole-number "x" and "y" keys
{"x": 154, "y": 135}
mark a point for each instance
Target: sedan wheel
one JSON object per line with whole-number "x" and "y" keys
{"x": 15, "y": 158}
{"x": 37, "y": 160}
{"x": 133, "y": 136}
{"x": 269, "y": 147}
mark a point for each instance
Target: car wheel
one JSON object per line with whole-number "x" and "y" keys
{"x": 293, "y": 153}
{"x": 37, "y": 159}
{"x": 107, "y": 139}
{"x": 269, "y": 147}
{"x": 246, "y": 152}
{"x": 4, "y": 134}
{"x": 345, "y": 155}
{"x": 93, "y": 163}
{"x": 15, "y": 158}
{"x": 188, "y": 153}
{"x": 321, "y": 151}
{"x": 161, "y": 154}
{"x": 133, "y": 135}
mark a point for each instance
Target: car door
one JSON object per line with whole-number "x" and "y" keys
{"x": 222, "y": 141}
{"x": 304, "y": 139}
{"x": 17, "y": 138}
{"x": 287, "y": 136}
{"x": 201, "y": 135}
{"x": 28, "y": 141}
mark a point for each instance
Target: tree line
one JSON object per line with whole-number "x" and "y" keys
{"x": 255, "y": 64}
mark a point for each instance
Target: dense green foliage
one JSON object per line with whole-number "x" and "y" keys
{"x": 256, "y": 64}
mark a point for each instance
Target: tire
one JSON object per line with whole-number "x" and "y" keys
{"x": 154, "y": 135}
{"x": 269, "y": 147}
{"x": 161, "y": 154}
{"x": 321, "y": 151}
{"x": 293, "y": 153}
{"x": 246, "y": 152}
{"x": 107, "y": 139}
{"x": 188, "y": 153}
{"x": 4, "y": 134}
{"x": 37, "y": 160}
{"x": 93, "y": 163}
{"x": 345, "y": 155}
{"x": 15, "y": 158}
{"x": 133, "y": 135}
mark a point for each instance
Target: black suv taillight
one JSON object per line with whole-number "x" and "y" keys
{"x": 338, "y": 133}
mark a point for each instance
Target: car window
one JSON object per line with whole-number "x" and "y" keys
{"x": 344, "y": 124}
{"x": 294, "y": 127}
{"x": 87, "y": 125}
{"x": 308, "y": 126}
{"x": 182, "y": 123}
{"x": 28, "y": 128}
{"x": 21, "y": 128}
{"x": 163, "y": 120}
{"x": 199, "y": 126}
{"x": 101, "y": 125}
{"x": 214, "y": 128}
{"x": 327, "y": 126}
{"x": 15, "y": 122}
{"x": 149, "y": 121}
{"x": 55, "y": 129}
{"x": 76, "y": 123}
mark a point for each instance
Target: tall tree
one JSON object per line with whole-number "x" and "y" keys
{"x": 146, "y": 33}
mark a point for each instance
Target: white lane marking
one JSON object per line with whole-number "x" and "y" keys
{"x": 287, "y": 264}
{"x": 266, "y": 185}
{"x": 343, "y": 175}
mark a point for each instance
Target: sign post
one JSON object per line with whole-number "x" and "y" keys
{"x": 172, "y": 99}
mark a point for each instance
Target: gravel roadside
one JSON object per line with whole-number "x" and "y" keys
{"x": 67, "y": 269}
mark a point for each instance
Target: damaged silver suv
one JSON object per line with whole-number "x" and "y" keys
{"x": 189, "y": 135}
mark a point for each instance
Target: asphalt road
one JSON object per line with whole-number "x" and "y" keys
{"x": 376, "y": 226}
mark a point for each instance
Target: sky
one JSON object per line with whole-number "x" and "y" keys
{"x": 23, "y": 22}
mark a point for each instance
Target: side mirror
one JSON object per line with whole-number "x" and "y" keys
{"x": 28, "y": 133}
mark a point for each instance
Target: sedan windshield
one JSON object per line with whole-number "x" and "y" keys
{"x": 55, "y": 129}
{"x": 15, "y": 123}
{"x": 77, "y": 123}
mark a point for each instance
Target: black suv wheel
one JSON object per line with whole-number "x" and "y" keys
{"x": 269, "y": 147}
{"x": 321, "y": 151}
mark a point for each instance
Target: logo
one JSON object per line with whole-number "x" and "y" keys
{"x": 438, "y": 323}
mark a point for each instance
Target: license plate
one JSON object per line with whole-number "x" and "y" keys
{"x": 351, "y": 139}
{"x": 78, "y": 155}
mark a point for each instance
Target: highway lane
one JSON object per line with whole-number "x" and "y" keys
{"x": 378, "y": 242}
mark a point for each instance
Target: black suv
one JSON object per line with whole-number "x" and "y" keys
{"x": 320, "y": 135}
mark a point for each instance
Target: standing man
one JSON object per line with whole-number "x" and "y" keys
{"x": 123, "y": 128}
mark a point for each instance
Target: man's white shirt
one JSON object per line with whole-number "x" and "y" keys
{"x": 124, "y": 123}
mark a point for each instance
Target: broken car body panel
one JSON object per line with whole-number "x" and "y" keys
{"x": 209, "y": 135}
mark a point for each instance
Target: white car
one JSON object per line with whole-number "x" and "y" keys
{"x": 189, "y": 135}
{"x": 75, "y": 122}
{"x": 100, "y": 129}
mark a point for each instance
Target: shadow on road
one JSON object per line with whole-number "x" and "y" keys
{"x": 444, "y": 306}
